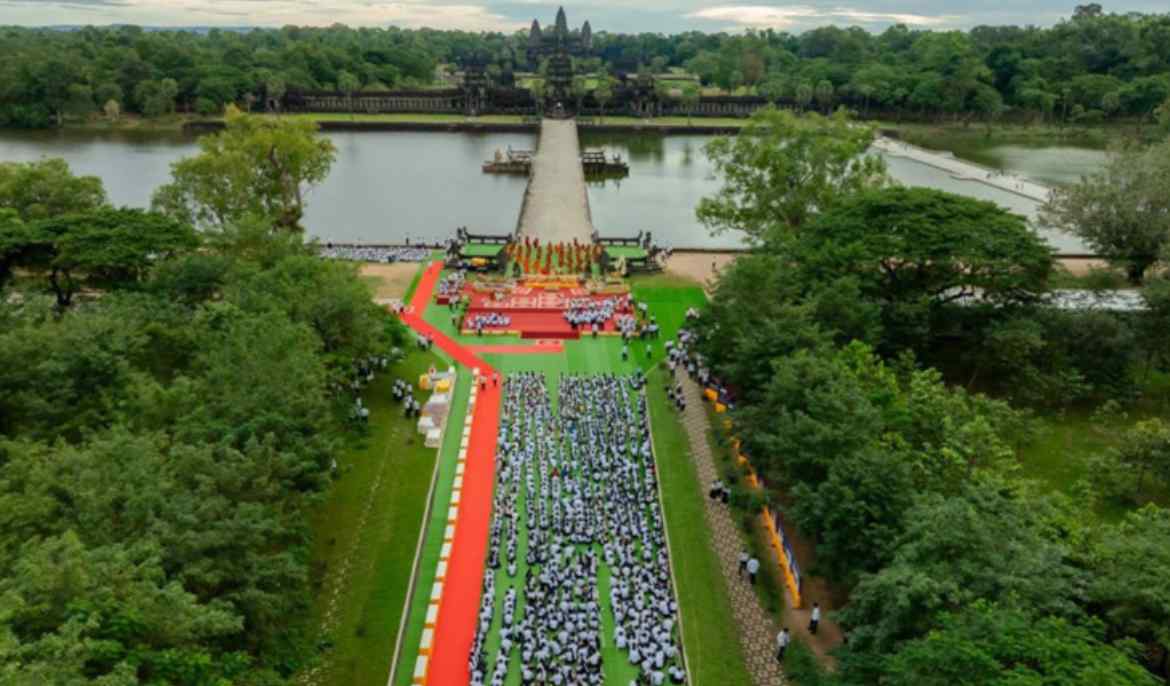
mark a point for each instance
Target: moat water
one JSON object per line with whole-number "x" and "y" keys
{"x": 392, "y": 187}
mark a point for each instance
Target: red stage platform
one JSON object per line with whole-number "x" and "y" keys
{"x": 540, "y": 312}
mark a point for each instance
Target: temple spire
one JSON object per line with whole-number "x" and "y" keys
{"x": 562, "y": 23}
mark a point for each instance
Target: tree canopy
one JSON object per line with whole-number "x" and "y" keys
{"x": 914, "y": 250}
{"x": 1123, "y": 211}
{"x": 38, "y": 190}
{"x": 254, "y": 167}
{"x": 162, "y": 446}
{"x": 1085, "y": 68}
{"x": 782, "y": 169}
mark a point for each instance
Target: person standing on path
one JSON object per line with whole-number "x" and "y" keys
{"x": 814, "y": 619}
{"x": 743, "y": 560}
{"x": 782, "y": 641}
{"x": 753, "y": 567}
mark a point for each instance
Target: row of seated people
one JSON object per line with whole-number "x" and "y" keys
{"x": 578, "y": 486}
{"x": 486, "y": 320}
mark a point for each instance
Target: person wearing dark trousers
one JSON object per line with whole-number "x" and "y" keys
{"x": 782, "y": 641}
{"x": 753, "y": 568}
{"x": 743, "y": 560}
{"x": 814, "y": 619}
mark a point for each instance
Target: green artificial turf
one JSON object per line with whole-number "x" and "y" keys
{"x": 433, "y": 538}
{"x": 626, "y": 251}
{"x": 371, "y": 517}
{"x": 414, "y": 282}
{"x": 482, "y": 249}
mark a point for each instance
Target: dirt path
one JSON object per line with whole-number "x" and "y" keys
{"x": 556, "y": 206}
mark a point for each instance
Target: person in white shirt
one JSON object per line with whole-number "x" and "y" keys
{"x": 753, "y": 567}
{"x": 782, "y": 641}
{"x": 814, "y": 619}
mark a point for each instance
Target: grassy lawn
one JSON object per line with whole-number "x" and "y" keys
{"x": 414, "y": 282}
{"x": 365, "y": 533}
{"x": 957, "y": 137}
{"x": 433, "y": 538}
{"x": 710, "y": 636}
{"x": 1060, "y": 454}
{"x": 636, "y": 122}
{"x": 412, "y": 117}
{"x": 404, "y": 117}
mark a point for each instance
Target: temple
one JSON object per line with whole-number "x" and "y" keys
{"x": 486, "y": 85}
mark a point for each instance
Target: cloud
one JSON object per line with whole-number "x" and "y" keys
{"x": 787, "y": 16}
{"x": 447, "y": 14}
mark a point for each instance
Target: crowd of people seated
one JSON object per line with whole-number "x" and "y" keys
{"x": 486, "y": 320}
{"x": 362, "y": 253}
{"x": 590, "y": 312}
{"x": 576, "y": 494}
{"x": 451, "y": 286}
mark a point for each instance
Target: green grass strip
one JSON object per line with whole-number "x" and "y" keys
{"x": 433, "y": 538}
{"x": 709, "y": 630}
{"x": 369, "y": 525}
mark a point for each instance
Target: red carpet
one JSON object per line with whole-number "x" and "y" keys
{"x": 538, "y": 312}
{"x": 455, "y": 629}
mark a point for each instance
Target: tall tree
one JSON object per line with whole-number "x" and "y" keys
{"x": 105, "y": 248}
{"x": 782, "y": 169}
{"x": 255, "y": 166}
{"x": 1121, "y": 212}
{"x": 37, "y": 190}
{"x": 915, "y": 250}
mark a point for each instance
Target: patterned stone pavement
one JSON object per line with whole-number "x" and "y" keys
{"x": 757, "y": 631}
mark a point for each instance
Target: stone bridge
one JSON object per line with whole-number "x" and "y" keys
{"x": 556, "y": 202}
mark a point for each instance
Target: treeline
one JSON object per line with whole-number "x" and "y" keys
{"x": 1091, "y": 67}
{"x": 886, "y": 348}
{"x": 171, "y": 409}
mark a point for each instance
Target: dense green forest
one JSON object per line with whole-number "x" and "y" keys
{"x": 891, "y": 355}
{"x": 1091, "y": 67}
{"x": 173, "y": 403}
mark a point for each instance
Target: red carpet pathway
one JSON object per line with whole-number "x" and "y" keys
{"x": 455, "y": 629}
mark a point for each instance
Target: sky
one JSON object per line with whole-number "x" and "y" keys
{"x": 618, "y": 16}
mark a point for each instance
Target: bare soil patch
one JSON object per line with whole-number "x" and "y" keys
{"x": 698, "y": 266}
{"x": 389, "y": 280}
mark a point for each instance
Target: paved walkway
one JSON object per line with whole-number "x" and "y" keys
{"x": 969, "y": 171}
{"x": 556, "y": 204}
{"x": 757, "y": 631}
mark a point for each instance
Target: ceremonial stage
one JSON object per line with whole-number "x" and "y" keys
{"x": 537, "y": 307}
